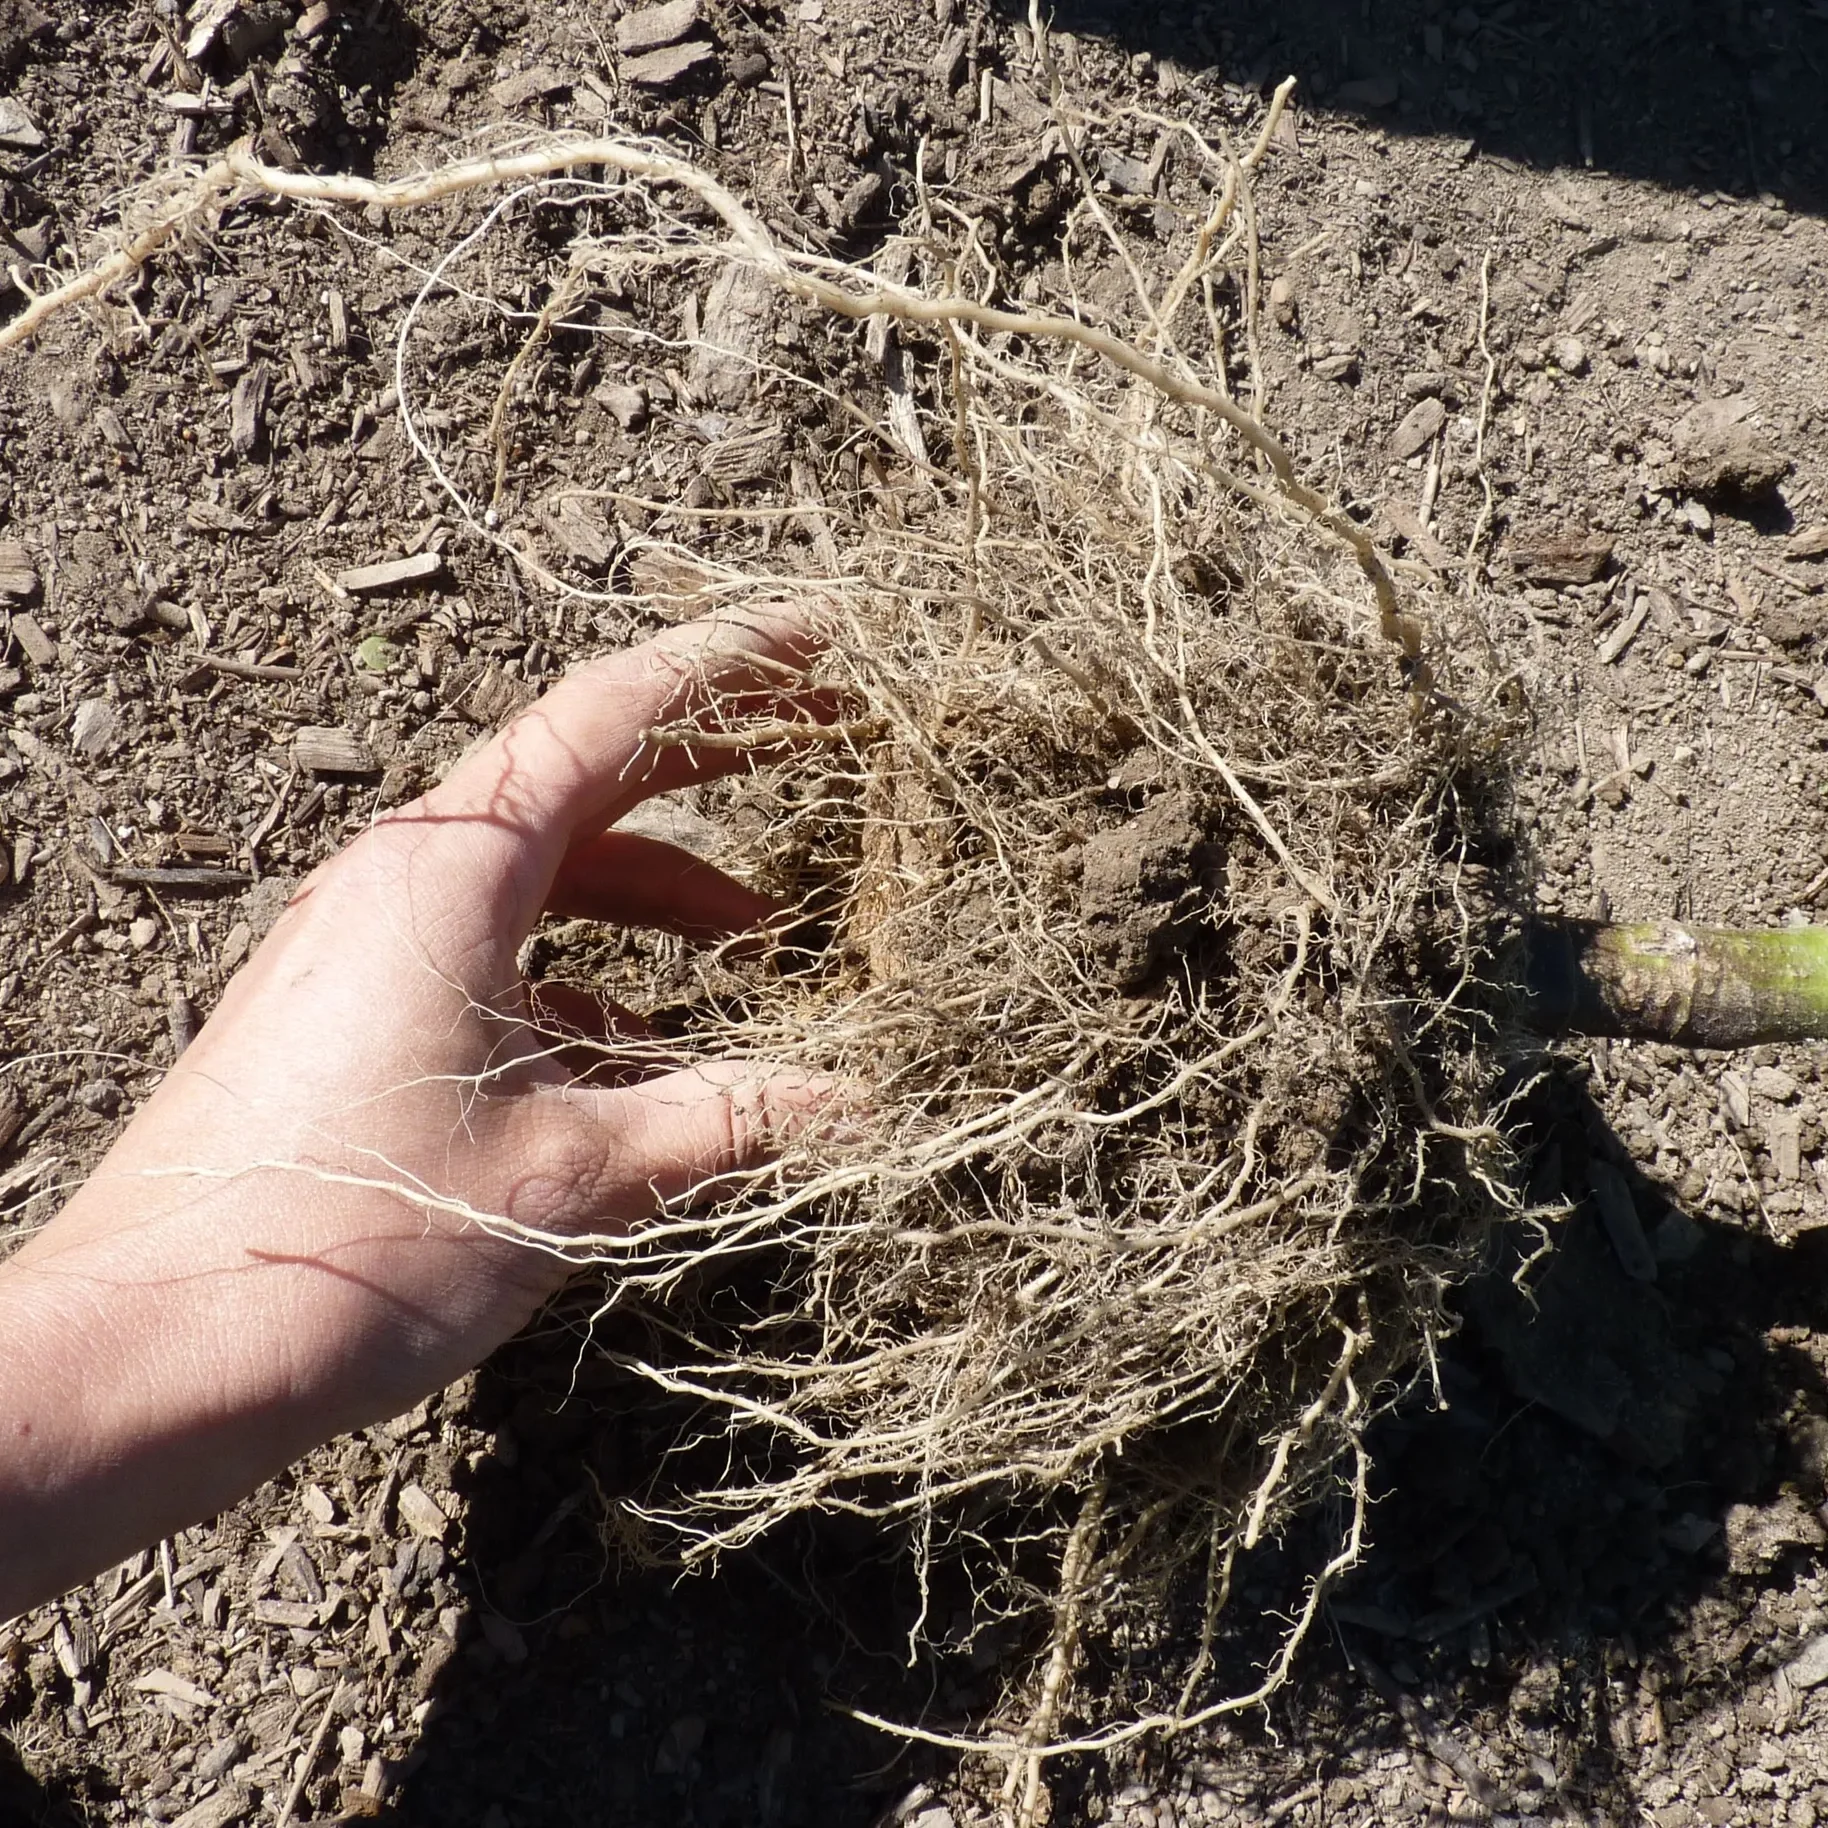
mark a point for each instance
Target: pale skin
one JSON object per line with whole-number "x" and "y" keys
{"x": 211, "y": 1305}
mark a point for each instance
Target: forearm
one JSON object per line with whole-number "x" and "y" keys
{"x": 115, "y": 1427}
{"x": 153, "y": 1374}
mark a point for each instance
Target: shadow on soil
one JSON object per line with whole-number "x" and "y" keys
{"x": 591, "y": 1689}
{"x": 1621, "y": 1468}
{"x": 1724, "y": 95}
{"x": 1616, "y": 1457}
{"x": 24, "y": 1803}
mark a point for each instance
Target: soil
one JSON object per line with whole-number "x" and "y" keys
{"x": 1596, "y": 1590}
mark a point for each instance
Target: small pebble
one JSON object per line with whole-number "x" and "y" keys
{"x": 102, "y": 1096}
{"x": 1282, "y": 301}
{"x": 1810, "y": 1670}
{"x": 95, "y": 728}
{"x": 626, "y": 405}
{"x": 1774, "y": 1083}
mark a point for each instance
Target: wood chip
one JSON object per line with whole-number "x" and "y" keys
{"x": 733, "y": 340}
{"x": 37, "y": 646}
{"x": 178, "y": 879}
{"x": 25, "y": 1173}
{"x": 169, "y": 1682}
{"x": 18, "y": 576}
{"x": 180, "y": 1021}
{"x": 651, "y": 27}
{"x": 231, "y": 1804}
{"x": 1613, "y": 647}
{"x": 248, "y": 409}
{"x": 1403, "y": 519}
{"x": 132, "y": 1602}
{"x": 324, "y": 749}
{"x": 1568, "y": 206}
{"x": 1811, "y": 543}
{"x": 743, "y": 457}
{"x": 662, "y": 69}
{"x": 95, "y": 728}
{"x": 1736, "y": 1095}
{"x": 73, "y": 1648}
{"x": 1560, "y": 558}
{"x": 210, "y": 666}
{"x": 1784, "y": 1138}
{"x": 948, "y": 65}
{"x": 293, "y": 1615}
{"x": 814, "y": 520}
{"x": 530, "y": 85}
{"x": 206, "y": 20}
{"x": 391, "y": 574}
{"x": 1417, "y": 429}
{"x": 670, "y": 578}
{"x": 212, "y": 517}
{"x": 422, "y": 1513}
{"x": 114, "y": 433}
{"x": 487, "y": 697}
{"x": 282, "y": 1539}
{"x": 296, "y": 1566}
{"x": 581, "y": 529}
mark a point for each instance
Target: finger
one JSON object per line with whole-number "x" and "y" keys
{"x": 614, "y": 1157}
{"x": 686, "y": 1130}
{"x": 644, "y": 882}
{"x": 580, "y": 757}
{"x": 674, "y": 758}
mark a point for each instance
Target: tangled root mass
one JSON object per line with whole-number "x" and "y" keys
{"x": 1130, "y": 904}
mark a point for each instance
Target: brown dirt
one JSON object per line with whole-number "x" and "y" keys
{"x": 1598, "y": 1563}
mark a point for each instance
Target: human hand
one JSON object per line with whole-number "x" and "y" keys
{"x": 281, "y": 1245}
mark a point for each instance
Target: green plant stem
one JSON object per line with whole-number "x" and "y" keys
{"x": 1659, "y": 980}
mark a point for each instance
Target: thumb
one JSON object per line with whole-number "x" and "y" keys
{"x": 611, "y": 1157}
